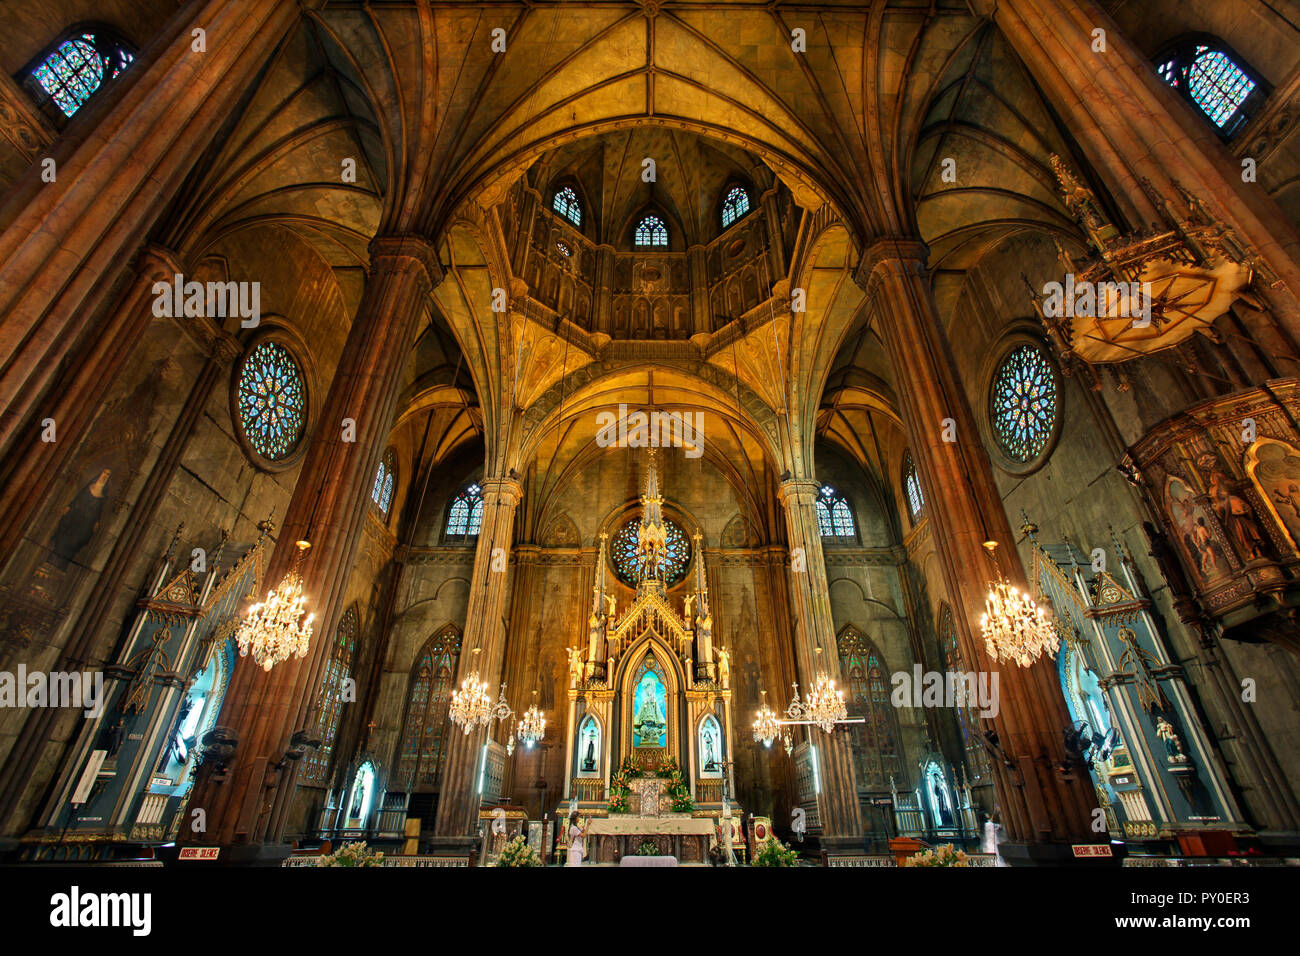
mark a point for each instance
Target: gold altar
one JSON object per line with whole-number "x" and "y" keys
{"x": 681, "y": 835}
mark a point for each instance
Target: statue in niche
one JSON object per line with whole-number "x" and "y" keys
{"x": 1173, "y": 744}
{"x": 710, "y": 751}
{"x": 724, "y": 667}
{"x": 79, "y": 521}
{"x": 589, "y": 759}
{"x": 575, "y": 665}
{"x": 1237, "y": 519}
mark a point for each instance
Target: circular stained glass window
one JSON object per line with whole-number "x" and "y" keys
{"x": 271, "y": 400}
{"x": 623, "y": 553}
{"x": 1023, "y": 404}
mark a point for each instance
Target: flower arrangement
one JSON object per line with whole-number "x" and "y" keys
{"x": 944, "y": 855}
{"x": 518, "y": 853}
{"x": 352, "y": 854}
{"x": 647, "y": 848}
{"x": 775, "y": 853}
{"x": 669, "y": 768}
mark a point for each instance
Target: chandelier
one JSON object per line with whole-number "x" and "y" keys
{"x": 472, "y": 706}
{"x": 275, "y": 629}
{"x": 532, "y": 726}
{"x": 1014, "y": 627}
{"x": 824, "y": 707}
{"x": 766, "y": 727}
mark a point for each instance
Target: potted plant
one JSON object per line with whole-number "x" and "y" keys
{"x": 775, "y": 853}
{"x": 518, "y": 853}
{"x": 352, "y": 854}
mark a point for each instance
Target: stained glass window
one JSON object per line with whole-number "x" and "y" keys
{"x": 271, "y": 397}
{"x": 382, "y": 493}
{"x": 626, "y": 559}
{"x": 465, "y": 516}
{"x": 875, "y": 742}
{"x": 912, "y": 483}
{"x": 75, "y": 70}
{"x": 567, "y": 205}
{"x": 977, "y": 758}
{"x": 564, "y": 248}
{"x": 834, "y": 519}
{"x": 734, "y": 206}
{"x": 1213, "y": 81}
{"x": 651, "y": 231}
{"x": 315, "y": 766}
{"x": 424, "y": 735}
{"x": 1023, "y": 403}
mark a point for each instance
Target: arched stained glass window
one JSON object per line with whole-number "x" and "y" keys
{"x": 424, "y": 735}
{"x": 271, "y": 400}
{"x": 382, "y": 493}
{"x": 876, "y": 742}
{"x": 912, "y": 484}
{"x": 734, "y": 206}
{"x": 567, "y": 205}
{"x": 834, "y": 519}
{"x": 74, "y": 71}
{"x": 977, "y": 758}
{"x": 651, "y": 231}
{"x": 1023, "y": 406}
{"x": 626, "y": 559}
{"x": 315, "y": 766}
{"x": 1213, "y": 80}
{"x": 465, "y": 516}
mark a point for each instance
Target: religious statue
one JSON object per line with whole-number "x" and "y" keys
{"x": 358, "y": 798}
{"x": 724, "y": 667}
{"x": 575, "y": 666}
{"x": 1173, "y": 745}
{"x": 1237, "y": 519}
{"x": 79, "y": 521}
{"x": 589, "y": 758}
{"x": 687, "y": 606}
{"x": 710, "y": 754}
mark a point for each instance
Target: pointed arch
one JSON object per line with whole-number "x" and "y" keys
{"x": 422, "y": 748}
{"x": 315, "y": 766}
{"x": 876, "y": 744}
{"x": 977, "y": 758}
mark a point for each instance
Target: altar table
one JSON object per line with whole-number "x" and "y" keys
{"x": 615, "y": 838}
{"x": 648, "y": 861}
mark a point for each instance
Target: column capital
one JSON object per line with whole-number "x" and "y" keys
{"x": 157, "y": 262}
{"x": 792, "y": 490}
{"x": 502, "y": 489}
{"x": 886, "y": 252}
{"x": 407, "y": 246}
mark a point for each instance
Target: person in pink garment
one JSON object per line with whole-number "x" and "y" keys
{"x": 577, "y": 841}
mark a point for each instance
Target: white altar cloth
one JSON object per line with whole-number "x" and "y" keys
{"x": 648, "y": 861}
{"x": 621, "y": 824}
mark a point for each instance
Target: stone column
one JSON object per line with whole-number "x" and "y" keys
{"x": 26, "y": 476}
{"x": 602, "y": 310}
{"x": 62, "y": 243}
{"x": 815, "y": 652}
{"x": 701, "y": 320}
{"x": 247, "y": 805}
{"x": 1131, "y": 126}
{"x": 1040, "y": 802}
{"x": 484, "y": 629}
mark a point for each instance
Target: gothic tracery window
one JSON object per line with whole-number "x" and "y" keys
{"x": 78, "y": 67}
{"x": 271, "y": 400}
{"x": 566, "y": 204}
{"x": 315, "y": 766}
{"x": 1023, "y": 403}
{"x": 834, "y": 519}
{"x": 424, "y": 735}
{"x": 977, "y": 758}
{"x": 626, "y": 559}
{"x": 1216, "y": 82}
{"x": 465, "y": 516}
{"x": 734, "y": 206}
{"x": 912, "y": 484}
{"x": 651, "y": 231}
{"x": 875, "y": 743}
{"x": 385, "y": 477}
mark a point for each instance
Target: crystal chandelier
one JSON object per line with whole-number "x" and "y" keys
{"x": 824, "y": 707}
{"x": 472, "y": 706}
{"x": 1014, "y": 627}
{"x": 276, "y": 629}
{"x": 532, "y": 726}
{"x": 766, "y": 727}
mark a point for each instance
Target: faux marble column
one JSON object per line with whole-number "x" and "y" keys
{"x": 248, "y": 804}
{"x": 1040, "y": 802}
{"x": 815, "y": 652}
{"x": 62, "y": 243}
{"x": 484, "y": 629}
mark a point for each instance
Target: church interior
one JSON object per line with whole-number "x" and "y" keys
{"x": 650, "y": 432}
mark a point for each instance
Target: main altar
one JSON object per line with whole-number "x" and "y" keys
{"x": 649, "y": 734}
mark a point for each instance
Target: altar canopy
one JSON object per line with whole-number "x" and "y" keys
{"x": 648, "y": 684}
